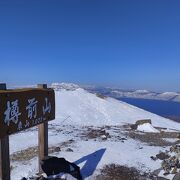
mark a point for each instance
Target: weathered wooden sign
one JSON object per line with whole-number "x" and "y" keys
{"x": 25, "y": 108}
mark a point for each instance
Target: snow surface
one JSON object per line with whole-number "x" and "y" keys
{"x": 78, "y": 108}
{"x": 147, "y": 128}
{"x": 83, "y": 108}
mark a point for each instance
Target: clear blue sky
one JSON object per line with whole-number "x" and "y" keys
{"x": 124, "y": 43}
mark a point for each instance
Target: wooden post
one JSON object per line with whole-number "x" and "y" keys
{"x": 4, "y": 152}
{"x": 43, "y": 136}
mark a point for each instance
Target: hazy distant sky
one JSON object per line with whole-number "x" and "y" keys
{"x": 124, "y": 43}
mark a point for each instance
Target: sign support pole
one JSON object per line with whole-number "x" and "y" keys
{"x": 42, "y": 136}
{"x": 4, "y": 152}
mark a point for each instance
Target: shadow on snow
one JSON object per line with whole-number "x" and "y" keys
{"x": 92, "y": 160}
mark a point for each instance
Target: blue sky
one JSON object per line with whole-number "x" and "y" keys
{"x": 123, "y": 43}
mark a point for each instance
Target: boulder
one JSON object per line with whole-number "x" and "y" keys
{"x": 143, "y": 121}
{"x": 133, "y": 126}
{"x": 162, "y": 156}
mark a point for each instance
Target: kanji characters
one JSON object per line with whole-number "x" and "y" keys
{"x": 32, "y": 108}
{"x": 12, "y": 112}
{"x": 47, "y": 107}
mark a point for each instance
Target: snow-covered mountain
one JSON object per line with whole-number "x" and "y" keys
{"x": 65, "y": 86}
{"x": 144, "y": 94}
{"x": 88, "y": 130}
{"x": 84, "y": 108}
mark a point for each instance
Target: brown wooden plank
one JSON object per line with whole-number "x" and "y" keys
{"x": 4, "y": 153}
{"x": 42, "y": 136}
{"x": 25, "y": 108}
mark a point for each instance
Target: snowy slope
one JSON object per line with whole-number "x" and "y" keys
{"x": 75, "y": 108}
{"x": 83, "y": 108}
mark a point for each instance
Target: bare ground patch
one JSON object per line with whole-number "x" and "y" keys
{"x": 94, "y": 133}
{"x": 117, "y": 172}
{"x": 29, "y": 153}
{"x": 154, "y": 139}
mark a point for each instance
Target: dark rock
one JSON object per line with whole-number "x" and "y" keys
{"x": 166, "y": 173}
{"x": 177, "y": 176}
{"x": 143, "y": 121}
{"x": 162, "y": 156}
{"x": 69, "y": 150}
{"x": 54, "y": 166}
{"x": 71, "y": 140}
{"x": 178, "y": 165}
{"x": 133, "y": 126}
{"x": 57, "y": 149}
{"x": 153, "y": 158}
{"x": 123, "y": 139}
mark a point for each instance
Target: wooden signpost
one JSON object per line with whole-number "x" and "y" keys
{"x": 22, "y": 109}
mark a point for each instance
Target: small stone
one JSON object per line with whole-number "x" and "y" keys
{"x": 178, "y": 165}
{"x": 166, "y": 173}
{"x": 107, "y": 135}
{"x": 69, "y": 150}
{"x": 71, "y": 140}
{"x": 57, "y": 149}
{"x": 123, "y": 139}
{"x": 153, "y": 158}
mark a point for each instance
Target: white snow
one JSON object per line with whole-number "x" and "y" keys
{"x": 84, "y": 108}
{"x": 147, "y": 128}
{"x": 76, "y": 109}
{"x": 171, "y": 139}
{"x": 66, "y": 86}
{"x": 142, "y": 91}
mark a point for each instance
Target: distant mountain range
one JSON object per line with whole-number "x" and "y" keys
{"x": 116, "y": 92}
{"x": 139, "y": 94}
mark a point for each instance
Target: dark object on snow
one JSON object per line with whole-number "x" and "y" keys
{"x": 35, "y": 178}
{"x": 143, "y": 121}
{"x": 154, "y": 158}
{"x": 162, "y": 156}
{"x": 54, "y": 165}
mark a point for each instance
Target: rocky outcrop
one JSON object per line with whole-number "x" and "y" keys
{"x": 143, "y": 121}
{"x": 170, "y": 161}
{"x": 140, "y": 122}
